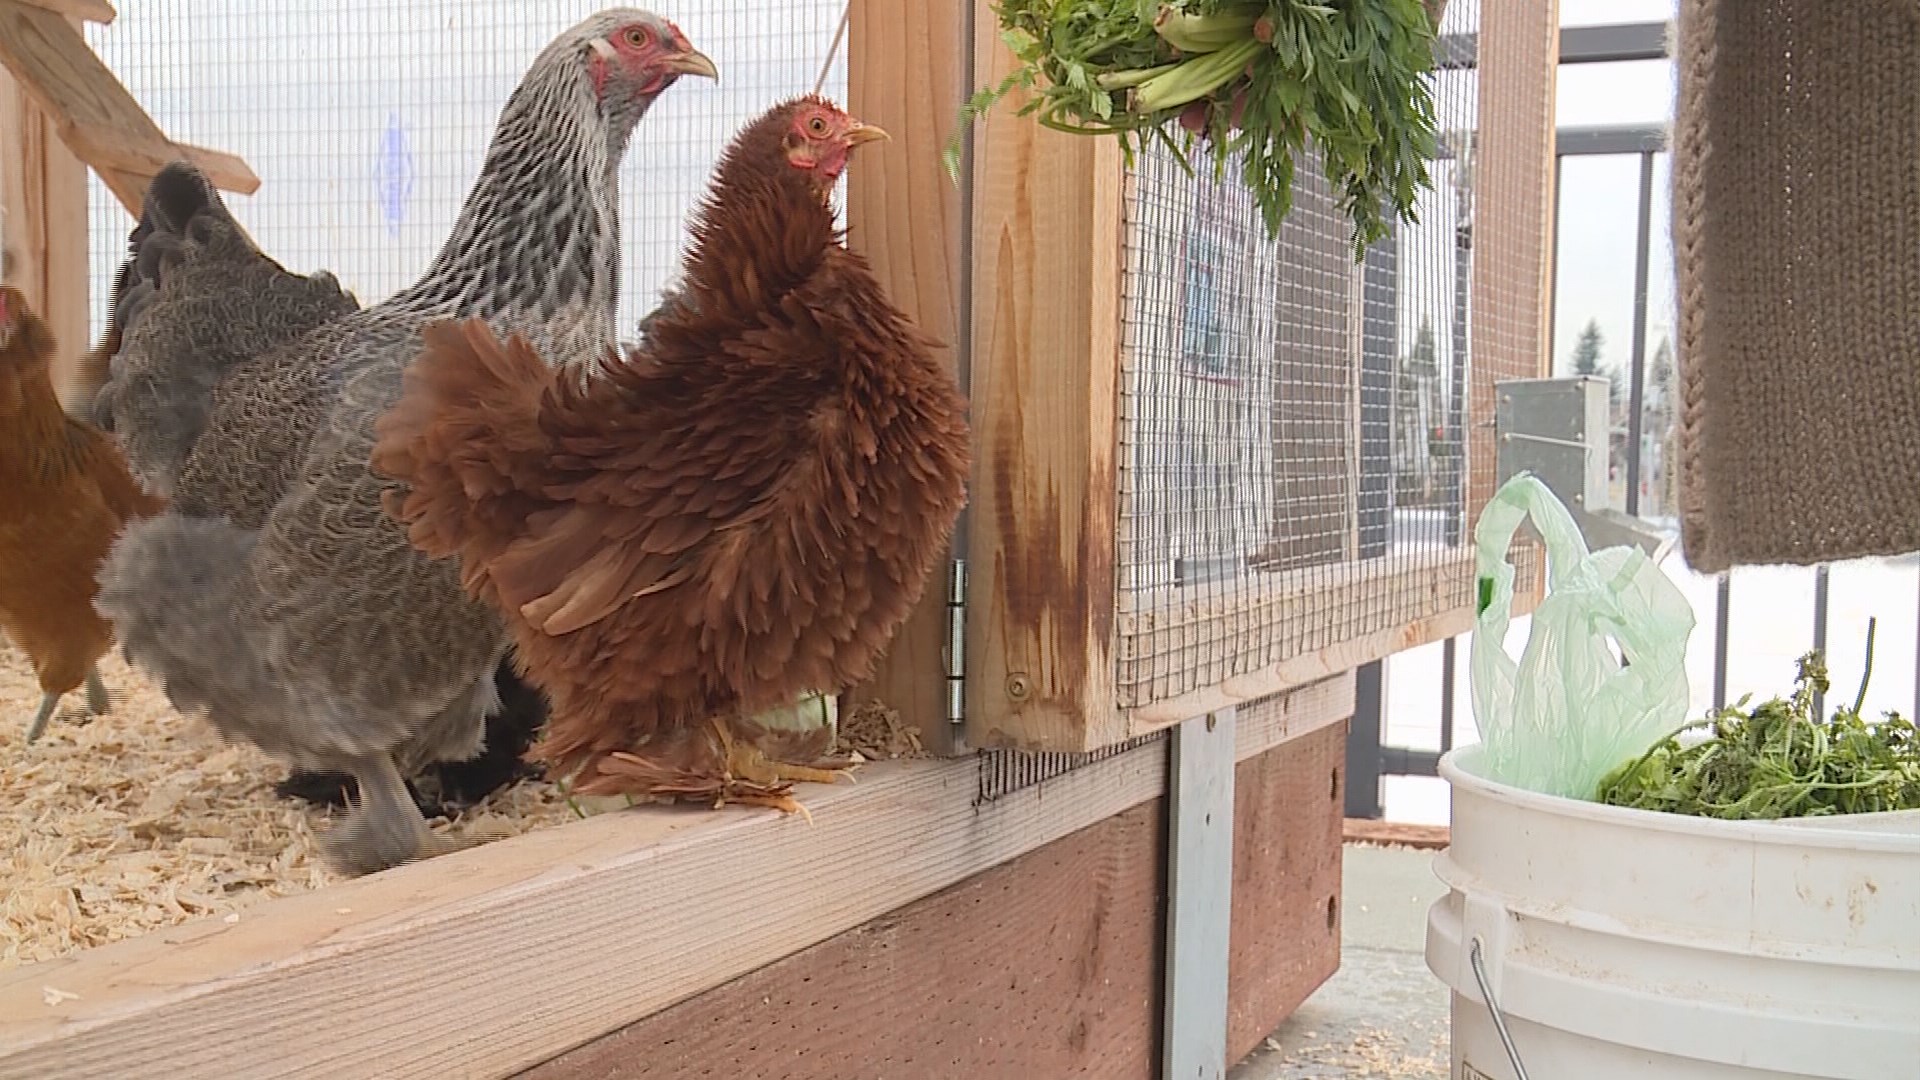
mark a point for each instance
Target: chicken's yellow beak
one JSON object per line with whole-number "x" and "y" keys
{"x": 865, "y": 133}
{"x": 693, "y": 62}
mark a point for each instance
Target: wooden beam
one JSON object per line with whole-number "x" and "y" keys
{"x": 1285, "y": 718}
{"x": 907, "y": 72}
{"x": 1046, "y": 966}
{"x": 1201, "y": 772}
{"x": 43, "y": 188}
{"x": 94, "y": 11}
{"x": 129, "y": 188}
{"x": 1415, "y": 600}
{"x": 548, "y": 940}
{"x": 524, "y": 941}
{"x": 1047, "y": 228}
{"x": 97, "y": 147}
{"x": 1519, "y": 42}
{"x": 1531, "y": 582}
{"x": 1396, "y": 834}
{"x": 95, "y": 115}
{"x": 1285, "y": 914}
{"x": 1303, "y": 669}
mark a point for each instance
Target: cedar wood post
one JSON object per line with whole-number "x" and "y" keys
{"x": 907, "y": 72}
{"x": 1046, "y": 232}
{"x": 44, "y": 190}
{"x": 1037, "y": 314}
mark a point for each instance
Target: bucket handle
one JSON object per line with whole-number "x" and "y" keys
{"x": 1493, "y": 1008}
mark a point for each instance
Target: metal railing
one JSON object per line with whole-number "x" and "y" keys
{"x": 1369, "y": 756}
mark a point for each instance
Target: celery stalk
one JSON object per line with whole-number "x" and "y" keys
{"x": 1196, "y": 78}
{"x": 1126, "y": 80}
{"x": 1198, "y": 34}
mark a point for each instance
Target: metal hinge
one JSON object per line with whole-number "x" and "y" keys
{"x": 956, "y": 651}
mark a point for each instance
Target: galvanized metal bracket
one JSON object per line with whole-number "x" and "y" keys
{"x": 1557, "y": 429}
{"x": 1199, "y": 897}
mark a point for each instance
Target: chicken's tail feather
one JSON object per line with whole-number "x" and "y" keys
{"x": 180, "y": 202}
{"x": 465, "y": 428}
{"x": 179, "y": 193}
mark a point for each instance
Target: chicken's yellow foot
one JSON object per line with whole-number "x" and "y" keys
{"x": 737, "y": 771}
{"x": 747, "y": 762}
{"x": 782, "y": 802}
{"x": 810, "y": 774}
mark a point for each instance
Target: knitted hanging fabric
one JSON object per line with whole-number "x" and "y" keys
{"x": 1796, "y": 239}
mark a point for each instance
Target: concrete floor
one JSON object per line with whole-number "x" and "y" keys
{"x": 1383, "y": 1016}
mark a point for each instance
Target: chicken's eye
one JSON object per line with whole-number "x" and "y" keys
{"x": 639, "y": 37}
{"x": 817, "y": 127}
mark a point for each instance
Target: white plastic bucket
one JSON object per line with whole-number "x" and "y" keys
{"x": 1889, "y": 821}
{"x": 1627, "y": 944}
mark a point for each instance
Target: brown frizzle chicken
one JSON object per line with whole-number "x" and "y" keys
{"x": 65, "y": 493}
{"x": 740, "y": 512}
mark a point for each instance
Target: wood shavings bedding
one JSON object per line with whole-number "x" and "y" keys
{"x": 143, "y": 818}
{"x": 875, "y": 731}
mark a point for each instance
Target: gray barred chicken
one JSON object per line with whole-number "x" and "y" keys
{"x": 275, "y": 594}
{"x": 190, "y": 353}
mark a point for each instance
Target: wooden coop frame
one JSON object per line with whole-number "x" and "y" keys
{"x": 987, "y": 912}
{"x": 65, "y": 113}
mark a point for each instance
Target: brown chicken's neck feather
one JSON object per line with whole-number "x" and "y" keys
{"x": 761, "y": 231}
{"x": 767, "y": 216}
{"x": 760, "y": 211}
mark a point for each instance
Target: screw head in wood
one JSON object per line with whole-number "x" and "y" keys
{"x": 1019, "y": 687}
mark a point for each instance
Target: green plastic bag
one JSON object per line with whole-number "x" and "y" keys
{"x": 1569, "y": 712}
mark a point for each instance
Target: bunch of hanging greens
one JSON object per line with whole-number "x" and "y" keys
{"x": 1779, "y": 760}
{"x": 1257, "y": 78}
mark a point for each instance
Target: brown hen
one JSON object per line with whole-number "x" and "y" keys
{"x": 741, "y": 511}
{"x": 65, "y": 493}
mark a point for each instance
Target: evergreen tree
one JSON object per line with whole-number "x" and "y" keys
{"x": 1661, "y": 377}
{"x": 1586, "y": 350}
{"x": 1586, "y": 360}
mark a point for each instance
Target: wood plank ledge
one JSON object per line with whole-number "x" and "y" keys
{"x": 548, "y": 940}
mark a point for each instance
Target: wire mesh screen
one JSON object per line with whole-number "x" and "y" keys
{"x": 367, "y": 120}
{"x": 1293, "y": 424}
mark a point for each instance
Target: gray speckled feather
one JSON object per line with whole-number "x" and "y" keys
{"x": 222, "y": 303}
{"x": 277, "y": 595}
